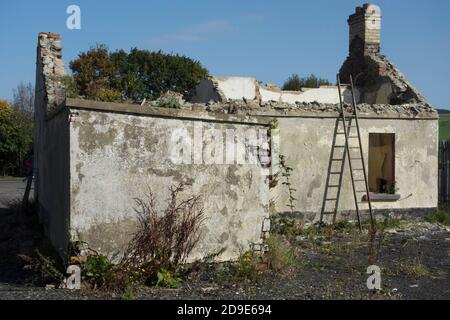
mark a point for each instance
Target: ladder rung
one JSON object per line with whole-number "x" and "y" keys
{"x": 329, "y": 213}
{"x": 359, "y": 180}
{"x": 358, "y": 169}
{"x": 333, "y": 186}
{"x": 335, "y": 172}
{"x": 359, "y": 191}
{"x": 350, "y": 137}
{"x": 331, "y": 199}
{"x": 355, "y": 158}
{"x": 337, "y": 159}
{"x": 339, "y": 146}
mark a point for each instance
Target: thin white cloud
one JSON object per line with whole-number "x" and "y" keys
{"x": 201, "y": 32}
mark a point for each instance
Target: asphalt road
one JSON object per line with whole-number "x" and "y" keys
{"x": 11, "y": 190}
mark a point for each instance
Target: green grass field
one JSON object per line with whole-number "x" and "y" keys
{"x": 444, "y": 127}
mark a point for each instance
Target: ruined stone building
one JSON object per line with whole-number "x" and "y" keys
{"x": 94, "y": 158}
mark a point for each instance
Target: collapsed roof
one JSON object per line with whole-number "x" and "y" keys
{"x": 376, "y": 79}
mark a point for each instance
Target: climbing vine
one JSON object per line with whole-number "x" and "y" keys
{"x": 286, "y": 173}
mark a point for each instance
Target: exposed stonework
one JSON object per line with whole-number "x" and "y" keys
{"x": 365, "y": 25}
{"x": 51, "y": 67}
{"x": 378, "y": 80}
{"x": 253, "y": 107}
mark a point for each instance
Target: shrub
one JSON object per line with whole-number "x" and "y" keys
{"x": 295, "y": 83}
{"x": 414, "y": 268}
{"x": 439, "y": 217}
{"x": 98, "y": 270}
{"x": 170, "y": 102}
{"x": 46, "y": 269}
{"x": 165, "y": 239}
{"x": 388, "y": 223}
{"x": 128, "y": 294}
{"x": 280, "y": 255}
{"x": 245, "y": 266}
{"x": 167, "y": 279}
{"x": 108, "y": 95}
{"x": 285, "y": 226}
{"x": 344, "y": 225}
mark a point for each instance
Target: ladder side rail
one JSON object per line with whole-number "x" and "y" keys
{"x": 362, "y": 154}
{"x": 341, "y": 179}
{"x": 346, "y": 134}
{"x": 330, "y": 167}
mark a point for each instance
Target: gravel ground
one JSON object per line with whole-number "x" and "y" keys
{"x": 414, "y": 259}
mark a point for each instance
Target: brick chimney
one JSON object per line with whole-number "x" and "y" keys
{"x": 364, "y": 44}
{"x": 365, "y": 29}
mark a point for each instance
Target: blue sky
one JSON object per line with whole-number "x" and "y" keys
{"x": 266, "y": 39}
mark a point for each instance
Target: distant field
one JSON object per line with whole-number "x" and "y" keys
{"x": 444, "y": 127}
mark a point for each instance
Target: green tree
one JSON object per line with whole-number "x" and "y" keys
{"x": 136, "y": 75}
{"x": 94, "y": 72}
{"x": 23, "y": 97}
{"x": 296, "y": 83}
{"x": 70, "y": 86}
{"x": 16, "y": 137}
{"x": 148, "y": 74}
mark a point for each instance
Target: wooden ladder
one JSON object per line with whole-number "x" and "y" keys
{"x": 359, "y": 156}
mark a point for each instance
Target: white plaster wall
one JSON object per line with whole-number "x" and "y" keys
{"x": 236, "y": 88}
{"x": 115, "y": 158}
{"x": 307, "y": 144}
{"x": 321, "y": 95}
{"x": 270, "y": 95}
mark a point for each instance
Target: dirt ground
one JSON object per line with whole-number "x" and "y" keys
{"x": 414, "y": 258}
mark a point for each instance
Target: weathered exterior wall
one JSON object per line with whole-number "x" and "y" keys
{"x": 54, "y": 181}
{"x": 51, "y": 142}
{"x": 93, "y": 159}
{"x": 226, "y": 88}
{"x": 222, "y": 89}
{"x": 115, "y": 158}
{"x": 307, "y": 144}
{"x": 328, "y": 94}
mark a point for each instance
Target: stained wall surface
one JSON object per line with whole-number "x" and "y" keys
{"x": 116, "y": 158}
{"x": 307, "y": 144}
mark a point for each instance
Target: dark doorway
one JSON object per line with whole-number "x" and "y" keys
{"x": 382, "y": 163}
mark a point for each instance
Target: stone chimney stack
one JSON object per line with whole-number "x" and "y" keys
{"x": 365, "y": 29}
{"x": 50, "y": 72}
{"x": 49, "y": 96}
